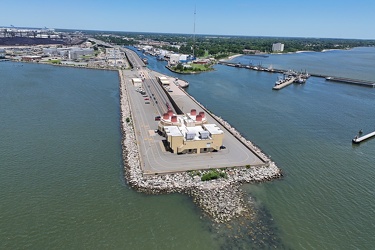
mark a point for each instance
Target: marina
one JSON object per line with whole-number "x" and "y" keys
{"x": 327, "y": 77}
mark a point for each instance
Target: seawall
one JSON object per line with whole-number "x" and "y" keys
{"x": 221, "y": 199}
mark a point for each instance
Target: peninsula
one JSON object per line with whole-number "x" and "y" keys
{"x": 151, "y": 167}
{"x": 170, "y": 142}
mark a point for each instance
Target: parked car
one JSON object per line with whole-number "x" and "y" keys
{"x": 157, "y": 118}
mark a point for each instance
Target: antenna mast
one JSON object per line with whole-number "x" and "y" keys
{"x": 195, "y": 12}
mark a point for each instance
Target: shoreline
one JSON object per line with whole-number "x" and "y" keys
{"x": 221, "y": 199}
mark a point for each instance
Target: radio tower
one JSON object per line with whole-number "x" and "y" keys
{"x": 195, "y": 12}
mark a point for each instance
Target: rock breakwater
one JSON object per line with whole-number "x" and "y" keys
{"x": 222, "y": 198}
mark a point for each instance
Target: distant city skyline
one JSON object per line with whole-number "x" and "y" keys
{"x": 288, "y": 18}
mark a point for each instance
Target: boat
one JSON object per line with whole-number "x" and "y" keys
{"x": 145, "y": 60}
{"x": 278, "y": 81}
{"x": 300, "y": 79}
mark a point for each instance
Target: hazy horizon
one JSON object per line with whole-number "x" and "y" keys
{"x": 346, "y": 19}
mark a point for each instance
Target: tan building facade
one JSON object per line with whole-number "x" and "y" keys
{"x": 190, "y": 133}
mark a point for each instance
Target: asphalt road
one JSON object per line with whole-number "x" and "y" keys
{"x": 154, "y": 157}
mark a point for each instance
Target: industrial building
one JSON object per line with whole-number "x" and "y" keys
{"x": 163, "y": 80}
{"x": 278, "y": 47}
{"x": 69, "y": 53}
{"x": 114, "y": 56}
{"x": 190, "y": 133}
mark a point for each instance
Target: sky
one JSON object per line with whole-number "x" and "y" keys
{"x": 278, "y": 18}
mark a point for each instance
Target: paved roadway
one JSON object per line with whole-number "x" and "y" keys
{"x": 155, "y": 93}
{"x": 155, "y": 159}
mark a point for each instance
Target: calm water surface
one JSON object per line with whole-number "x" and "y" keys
{"x": 62, "y": 179}
{"x": 326, "y": 200}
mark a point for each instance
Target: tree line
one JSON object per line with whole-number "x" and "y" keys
{"x": 221, "y": 46}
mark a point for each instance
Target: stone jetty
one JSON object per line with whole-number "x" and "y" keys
{"x": 222, "y": 199}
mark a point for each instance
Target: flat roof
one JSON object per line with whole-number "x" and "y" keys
{"x": 194, "y": 130}
{"x": 172, "y": 131}
{"x": 213, "y": 129}
{"x": 136, "y": 80}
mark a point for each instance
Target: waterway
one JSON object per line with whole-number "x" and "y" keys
{"x": 326, "y": 199}
{"x": 62, "y": 180}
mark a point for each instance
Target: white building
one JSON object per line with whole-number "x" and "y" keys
{"x": 278, "y": 47}
{"x": 177, "y": 58}
{"x": 75, "y": 53}
{"x": 114, "y": 57}
{"x": 113, "y": 54}
{"x": 162, "y": 80}
{"x": 70, "y": 53}
{"x": 137, "y": 82}
{"x": 174, "y": 59}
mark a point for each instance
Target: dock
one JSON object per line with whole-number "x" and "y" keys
{"x": 358, "y": 140}
{"x": 351, "y": 81}
{"x": 358, "y": 82}
{"x": 284, "y": 84}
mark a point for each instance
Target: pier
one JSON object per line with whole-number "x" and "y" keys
{"x": 358, "y": 140}
{"x": 351, "y": 81}
{"x": 149, "y": 168}
{"x": 327, "y": 77}
{"x": 284, "y": 83}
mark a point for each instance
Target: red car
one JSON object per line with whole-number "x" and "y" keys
{"x": 147, "y": 99}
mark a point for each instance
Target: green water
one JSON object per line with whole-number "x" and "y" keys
{"x": 326, "y": 199}
{"x": 61, "y": 179}
{"x": 62, "y": 184}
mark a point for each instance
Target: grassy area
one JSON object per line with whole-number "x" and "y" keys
{"x": 55, "y": 61}
{"x": 213, "y": 174}
{"x": 193, "y": 69}
{"x": 199, "y": 67}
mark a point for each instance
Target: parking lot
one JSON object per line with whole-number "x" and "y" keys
{"x": 155, "y": 158}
